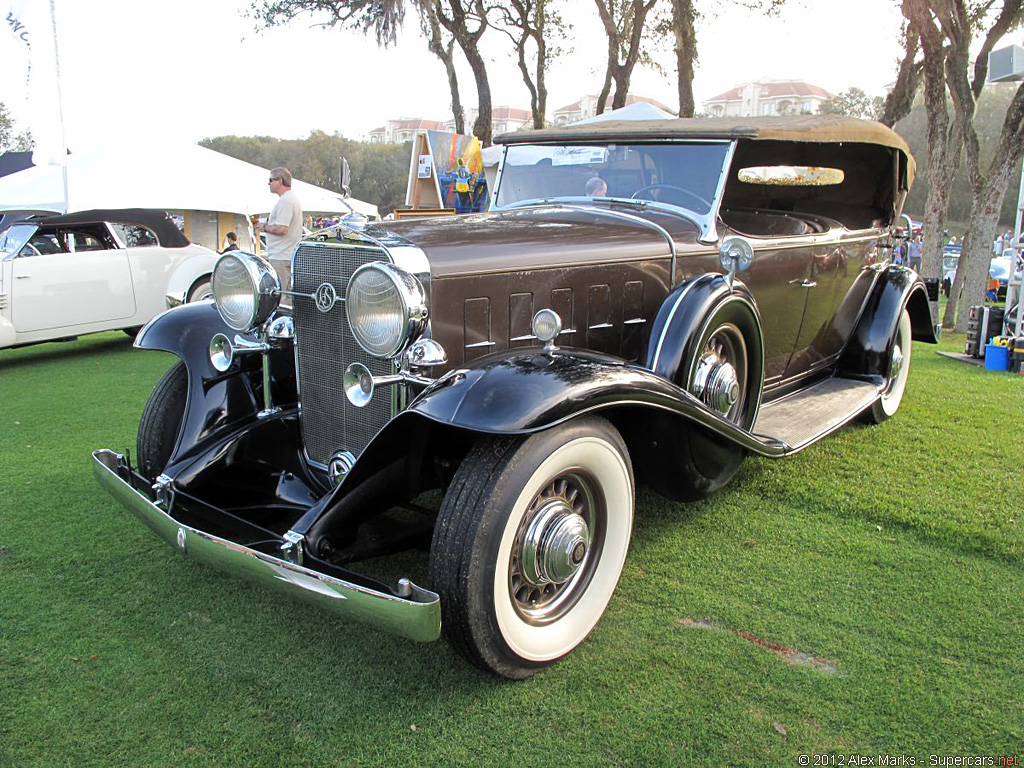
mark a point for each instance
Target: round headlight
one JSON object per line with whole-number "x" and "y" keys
{"x": 245, "y": 290}
{"x": 386, "y": 308}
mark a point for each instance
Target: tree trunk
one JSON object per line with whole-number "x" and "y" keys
{"x": 971, "y": 282}
{"x": 446, "y": 53}
{"x": 900, "y": 99}
{"x": 469, "y": 43}
{"x": 482, "y": 126}
{"x": 683, "y": 17}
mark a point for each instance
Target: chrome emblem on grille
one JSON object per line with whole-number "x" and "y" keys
{"x": 325, "y": 297}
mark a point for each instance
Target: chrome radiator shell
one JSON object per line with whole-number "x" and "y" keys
{"x": 325, "y": 347}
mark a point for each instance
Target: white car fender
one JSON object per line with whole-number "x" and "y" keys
{"x": 186, "y": 273}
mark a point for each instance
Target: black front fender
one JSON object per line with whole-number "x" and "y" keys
{"x": 216, "y": 401}
{"x": 517, "y": 393}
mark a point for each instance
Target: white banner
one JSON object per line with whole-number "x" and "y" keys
{"x": 30, "y": 56}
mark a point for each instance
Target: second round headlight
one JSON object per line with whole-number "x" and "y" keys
{"x": 245, "y": 290}
{"x": 386, "y": 308}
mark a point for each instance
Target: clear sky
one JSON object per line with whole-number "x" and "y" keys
{"x": 189, "y": 69}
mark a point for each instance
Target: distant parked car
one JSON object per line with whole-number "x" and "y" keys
{"x": 91, "y": 271}
{"x": 999, "y": 269}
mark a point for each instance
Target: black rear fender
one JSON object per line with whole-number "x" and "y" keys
{"x": 898, "y": 288}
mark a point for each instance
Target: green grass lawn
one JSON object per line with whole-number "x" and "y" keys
{"x": 863, "y": 597}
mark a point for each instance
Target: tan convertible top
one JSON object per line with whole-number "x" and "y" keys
{"x": 810, "y": 128}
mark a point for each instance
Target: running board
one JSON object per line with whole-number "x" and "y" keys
{"x": 806, "y": 416}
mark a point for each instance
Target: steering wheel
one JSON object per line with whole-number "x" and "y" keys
{"x": 673, "y": 188}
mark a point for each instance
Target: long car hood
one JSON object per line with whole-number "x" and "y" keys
{"x": 542, "y": 236}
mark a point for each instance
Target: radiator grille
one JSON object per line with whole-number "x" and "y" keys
{"x": 325, "y": 347}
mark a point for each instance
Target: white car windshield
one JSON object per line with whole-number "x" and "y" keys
{"x": 682, "y": 174}
{"x": 14, "y": 237}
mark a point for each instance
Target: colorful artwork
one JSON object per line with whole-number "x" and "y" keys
{"x": 460, "y": 171}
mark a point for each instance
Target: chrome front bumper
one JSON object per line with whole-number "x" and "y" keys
{"x": 417, "y": 617}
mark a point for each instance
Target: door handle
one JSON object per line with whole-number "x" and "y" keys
{"x": 22, "y": 277}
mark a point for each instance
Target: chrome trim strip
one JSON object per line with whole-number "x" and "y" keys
{"x": 417, "y": 617}
{"x": 635, "y": 321}
{"x": 477, "y": 344}
{"x": 598, "y": 326}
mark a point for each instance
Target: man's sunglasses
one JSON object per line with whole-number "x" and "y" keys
{"x": 272, "y": 179}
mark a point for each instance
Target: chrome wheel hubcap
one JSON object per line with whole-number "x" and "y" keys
{"x": 718, "y": 375}
{"x": 555, "y": 546}
{"x": 556, "y": 549}
{"x": 895, "y": 364}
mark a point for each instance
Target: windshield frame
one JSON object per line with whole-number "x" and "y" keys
{"x": 30, "y": 229}
{"x": 706, "y": 222}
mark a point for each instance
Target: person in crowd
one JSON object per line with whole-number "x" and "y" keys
{"x": 230, "y": 242}
{"x": 915, "y": 252}
{"x": 596, "y": 187}
{"x": 284, "y": 226}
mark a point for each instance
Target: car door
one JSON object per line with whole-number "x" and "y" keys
{"x": 71, "y": 277}
{"x": 836, "y": 286}
{"x": 776, "y": 279}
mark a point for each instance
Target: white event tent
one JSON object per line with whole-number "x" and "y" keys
{"x": 183, "y": 177}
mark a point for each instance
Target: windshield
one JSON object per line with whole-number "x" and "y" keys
{"x": 683, "y": 174}
{"x": 14, "y": 237}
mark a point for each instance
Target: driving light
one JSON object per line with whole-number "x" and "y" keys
{"x": 245, "y": 290}
{"x": 547, "y": 325}
{"x": 386, "y": 308}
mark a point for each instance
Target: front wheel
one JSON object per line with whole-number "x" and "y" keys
{"x": 161, "y": 421}
{"x": 530, "y": 542}
{"x": 896, "y": 376}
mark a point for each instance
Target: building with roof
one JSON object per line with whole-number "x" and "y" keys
{"x": 403, "y": 129}
{"x": 586, "y": 107}
{"x": 768, "y": 97}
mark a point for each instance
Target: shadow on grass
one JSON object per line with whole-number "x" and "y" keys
{"x": 68, "y": 350}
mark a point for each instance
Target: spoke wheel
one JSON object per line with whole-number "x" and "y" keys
{"x": 718, "y": 376}
{"x": 530, "y": 542}
{"x": 553, "y": 558}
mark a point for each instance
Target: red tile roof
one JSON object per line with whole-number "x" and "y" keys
{"x": 774, "y": 89}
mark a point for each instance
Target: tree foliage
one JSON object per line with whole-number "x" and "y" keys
{"x": 379, "y": 171}
{"x": 11, "y": 140}
{"x": 854, "y": 103}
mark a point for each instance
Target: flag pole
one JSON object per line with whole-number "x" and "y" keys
{"x": 60, "y": 107}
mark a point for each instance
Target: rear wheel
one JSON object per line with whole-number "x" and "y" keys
{"x": 896, "y": 375}
{"x": 161, "y": 421}
{"x": 201, "y": 290}
{"x": 530, "y": 542}
{"x": 724, "y": 372}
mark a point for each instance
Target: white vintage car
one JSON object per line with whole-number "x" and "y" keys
{"x": 62, "y": 276}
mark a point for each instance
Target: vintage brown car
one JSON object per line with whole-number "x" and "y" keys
{"x": 729, "y": 292}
